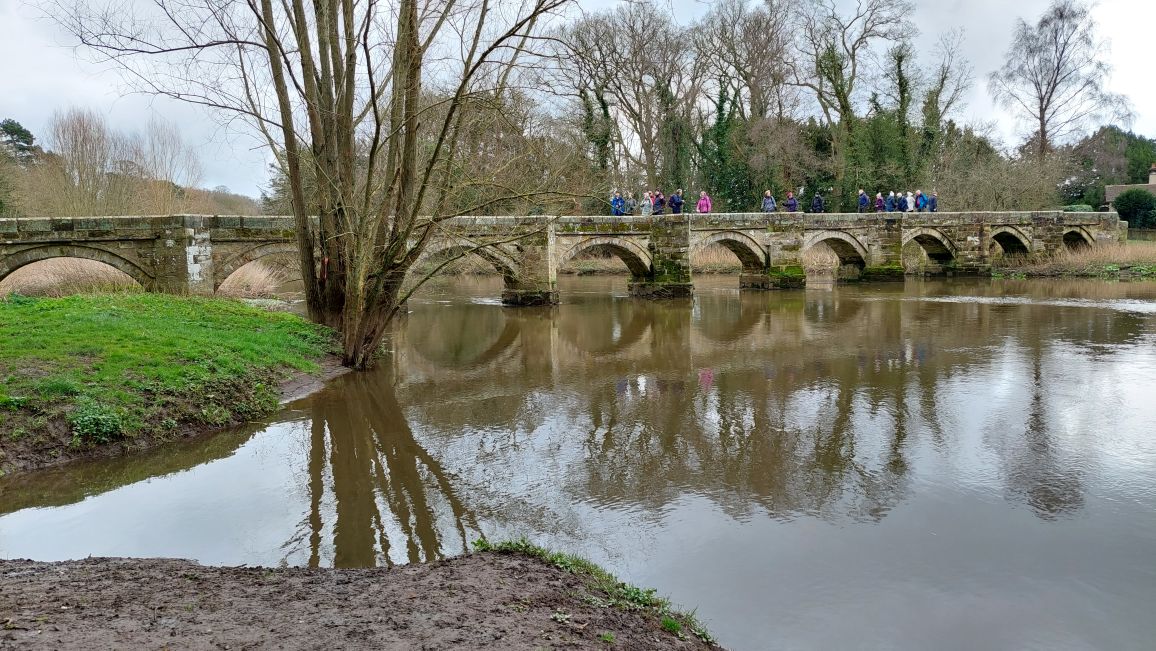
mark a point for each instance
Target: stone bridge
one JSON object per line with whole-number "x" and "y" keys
{"x": 196, "y": 253}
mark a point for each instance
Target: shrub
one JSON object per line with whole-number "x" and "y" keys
{"x": 93, "y": 422}
{"x": 1078, "y": 207}
{"x": 1135, "y": 206}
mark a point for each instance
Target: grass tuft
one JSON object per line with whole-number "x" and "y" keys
{"x": 613, "y": 592}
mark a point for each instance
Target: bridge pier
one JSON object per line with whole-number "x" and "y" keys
{"x": 536, "y": 281}
{"x": 670, "y": 274}
{"x": 182, "y": 257}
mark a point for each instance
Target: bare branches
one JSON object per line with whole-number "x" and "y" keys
{"x": 1054, "y": 77}
{"x": 834, "y": 47}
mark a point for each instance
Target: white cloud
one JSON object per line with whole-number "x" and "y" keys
{"x": 45, "y": 75}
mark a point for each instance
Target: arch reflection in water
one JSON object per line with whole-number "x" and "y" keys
{"x": 391, "y": 499}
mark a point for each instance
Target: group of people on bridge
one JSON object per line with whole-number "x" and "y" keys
{"x": 898, "y": 202}
{"x": 654, "y": 202}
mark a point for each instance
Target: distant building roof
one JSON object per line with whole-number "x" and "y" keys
{"x": 1113, "y": 191}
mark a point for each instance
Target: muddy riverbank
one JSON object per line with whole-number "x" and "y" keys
{"x": 485, "y": 600}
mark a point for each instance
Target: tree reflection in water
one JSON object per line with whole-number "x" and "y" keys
{"x": 387, "y": 489}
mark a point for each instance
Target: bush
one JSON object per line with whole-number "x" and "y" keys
{"x": 1078, "y": 207}
{"x": 1134, "y": 206}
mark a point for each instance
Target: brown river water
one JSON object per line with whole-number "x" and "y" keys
{"x": 936, "y": 464}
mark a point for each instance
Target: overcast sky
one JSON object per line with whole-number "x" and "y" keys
{"x": 43, "y": 74}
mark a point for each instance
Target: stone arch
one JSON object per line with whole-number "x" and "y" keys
{"x": 749, "y": 252}
{"x": 230, "y": 266}
{"x": 495, "y": 256}
{"x": 1077, "y": 238}
{"x": 1011, "y": 240}
{"x": 937, "y": 245}
{"x": 636, "y": 258}
{"x": 849, "y": 249}
{"x": 11, "y": 263}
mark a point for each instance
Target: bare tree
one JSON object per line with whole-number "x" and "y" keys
{"x": 88, "y": 170}
{"x": 747, "y": 47}
{"x": 338, "y": 90}
{"x": 835, "y": 49}
{"x": 1055, "y": 76}
{"x": 635, "y": 59}
{"x": 166, "y": 165}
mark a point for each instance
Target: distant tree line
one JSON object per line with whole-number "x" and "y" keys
{"x": 85, "y": 167}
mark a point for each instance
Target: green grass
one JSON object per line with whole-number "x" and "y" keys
{"x": 116, "y": 365}
{"x": 612, "y": 592}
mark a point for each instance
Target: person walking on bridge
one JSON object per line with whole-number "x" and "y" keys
{"x": 933, "y": 202}
{"x": 659, "y": 202}
{"x": 791, "y": 204}
{"x": 647, "y": 204}
{"x": 703, "y": 205}
{"x": 879, "y": 202}
{"x": 889, "y": 202}
{"x": 676, "y": 202}
{"x": 769, "y": 202}
{"x": 617, "y": 204}
{"x": 862, "y": 200}
{"x": 817, "y": 203}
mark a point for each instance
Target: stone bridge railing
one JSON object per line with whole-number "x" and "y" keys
{"x": 196, "y": 253}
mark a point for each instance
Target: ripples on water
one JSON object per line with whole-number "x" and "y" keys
{"x": 935, "y": 465}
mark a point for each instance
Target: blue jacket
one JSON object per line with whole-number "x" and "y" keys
{"x": 902, "y": 204}
{"x": 863, "y": 202}
{"x": 933, "y": 203}
{"x": 817, "y": 204}
{"x": 769, "y": 204}
{"x": 659, "y": 204}
{"x": 618, "y": 206}
{"x": 791, "y": 204}
{"x": 889, "y": 203}
{"x": 675, "y": 204}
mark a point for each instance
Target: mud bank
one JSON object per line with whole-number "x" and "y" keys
{"x": 486, "y": 600}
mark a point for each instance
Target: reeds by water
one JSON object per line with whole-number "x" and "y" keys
{"x": 67, "y": 276}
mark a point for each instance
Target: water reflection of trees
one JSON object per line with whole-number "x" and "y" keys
{"x": 794, "y": 402}
{"x": 386, "y": 488}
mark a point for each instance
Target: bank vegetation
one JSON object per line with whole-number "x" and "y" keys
{"x": 101, "y": 374}
{"x": 1135, "y": 259}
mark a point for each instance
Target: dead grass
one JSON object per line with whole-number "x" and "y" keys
{"x": 254, "y": 280}
{"x": 68, "y": 276}
{"x": 820, "y": 258}
{"x": 1137, "y": 257}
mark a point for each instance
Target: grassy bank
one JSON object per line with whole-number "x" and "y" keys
{"x": 91, "y": 374}
{"x": 1135, "y": 259}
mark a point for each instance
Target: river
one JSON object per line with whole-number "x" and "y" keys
{"x": 936, "y": 464}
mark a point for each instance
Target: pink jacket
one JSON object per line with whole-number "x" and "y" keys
{"x": 704, "y": 204}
